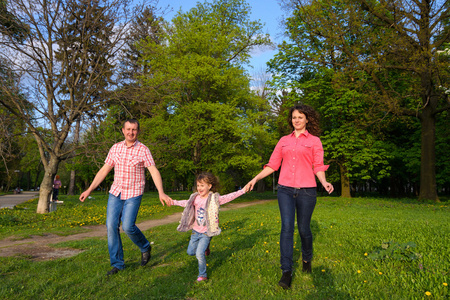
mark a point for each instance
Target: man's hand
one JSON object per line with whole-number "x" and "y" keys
{"x": 164, "y": 198}
{"x": 84, "y": 195}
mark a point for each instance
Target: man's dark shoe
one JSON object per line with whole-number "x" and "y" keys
{"x": 285, "y": 281}
{"x": 113, "y": 271}
{"x": 307, "y": 267}
{"x": 145, "y": 257}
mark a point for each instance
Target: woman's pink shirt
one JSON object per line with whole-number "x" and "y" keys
{"x": 300, "y": 159}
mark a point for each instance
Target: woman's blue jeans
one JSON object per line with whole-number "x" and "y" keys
{"x": 303, "y": 201}
{"x": 197, "y": 246}
{"x": 124, "y": 211}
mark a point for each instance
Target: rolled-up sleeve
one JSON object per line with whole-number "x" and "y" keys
{"x": 276, "y": 157}
{"x": 318, "y": 157}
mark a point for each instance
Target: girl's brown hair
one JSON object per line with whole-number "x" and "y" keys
{"x": 311, "y": 115}
{"x": 209, "y": 178}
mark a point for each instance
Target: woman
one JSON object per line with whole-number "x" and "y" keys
{"x": 300, "y": 155}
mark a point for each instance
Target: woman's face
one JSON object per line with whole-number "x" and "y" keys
{"x": 203, "y": 188}
{"x": 299, "y": 121}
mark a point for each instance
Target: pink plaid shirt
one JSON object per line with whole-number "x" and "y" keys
{"x": 300, "y": 159}
{"x": 129, "y": 165}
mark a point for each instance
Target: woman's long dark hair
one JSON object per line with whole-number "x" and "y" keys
{"x": 311, "y": 115}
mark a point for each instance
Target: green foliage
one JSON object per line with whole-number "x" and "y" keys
{"x": 200, "y": 102}
{"x": 395, "y": 251}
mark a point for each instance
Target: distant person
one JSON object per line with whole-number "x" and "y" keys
{"x": 300, "y": 155}
{"x": 129, "y": 159}
{"x": 56, "y": 187}
{"x": 201, "y": 214}
{"x": 17, "y": 190}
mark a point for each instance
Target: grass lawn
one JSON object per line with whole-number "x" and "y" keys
{"x": 364, "y": 248}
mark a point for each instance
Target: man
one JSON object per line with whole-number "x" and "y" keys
{"x": 129, "y": 158}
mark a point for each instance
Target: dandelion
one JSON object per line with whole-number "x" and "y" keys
{"x": 267, "y": 251}
{"x": 365, "y": 254}
{"x": 381, "y": 273}
{"x": 359, "y": 271}
{"x": 445, "y": 284}
{"x": 323, "y": 270}
{"x": 428, "y": 293}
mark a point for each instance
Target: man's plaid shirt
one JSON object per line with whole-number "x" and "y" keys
{"x": 129, "y": 165}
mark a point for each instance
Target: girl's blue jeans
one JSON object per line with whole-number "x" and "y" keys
{"x": 197, "y": 246}
{"x": 124, "y": 211}
{"x": 303, "y": 201}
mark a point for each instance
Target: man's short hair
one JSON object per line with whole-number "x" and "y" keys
{"x": 132, "y": 121}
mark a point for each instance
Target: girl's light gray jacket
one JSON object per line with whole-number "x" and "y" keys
{"x": 211, "y": 214}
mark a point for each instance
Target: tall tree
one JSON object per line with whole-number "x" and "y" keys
{"x": 52, "y": 83}
{"x": 200, "y": 96}
{"x": 395, "y": 44}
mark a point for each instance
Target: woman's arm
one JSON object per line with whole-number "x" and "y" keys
{"x": 264, "y": 173}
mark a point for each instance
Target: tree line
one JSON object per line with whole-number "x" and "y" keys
{"x": 73, "y": 71}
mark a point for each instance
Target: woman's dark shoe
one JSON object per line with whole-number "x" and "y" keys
{"x": 286, "y": 279}
{"x": 307, "y": 267}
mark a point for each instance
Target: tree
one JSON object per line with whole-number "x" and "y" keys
{"x": 395, "y": 45}
{"x": 200, "y": 105}
{"x": 52, "y": 83}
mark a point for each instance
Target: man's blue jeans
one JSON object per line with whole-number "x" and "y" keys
{"x": 197, "y": 246}
{"x": 125, "y": 211}
{"x": 303, "y": 201}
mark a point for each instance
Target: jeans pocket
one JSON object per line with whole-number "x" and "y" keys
{"x": 311, "y": 192}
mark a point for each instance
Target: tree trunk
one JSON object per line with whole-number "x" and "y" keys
{"x": 46, "y": 188}
{"x": 345, "y": 183}
{"x": 428, "y": 188}
{"x": 76, "y": 137}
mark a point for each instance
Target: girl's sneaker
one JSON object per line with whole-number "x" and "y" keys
{"x": 200, "y": 278}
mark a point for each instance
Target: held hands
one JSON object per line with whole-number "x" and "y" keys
{"x": 249, "y": 186}
{"x": 164, "y": 198}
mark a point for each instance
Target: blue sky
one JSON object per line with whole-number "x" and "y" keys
{"x": 267, "y": 11}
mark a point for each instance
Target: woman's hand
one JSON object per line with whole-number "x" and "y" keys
{"x": 328, "y": 187}
{"x": 249, "y": 186}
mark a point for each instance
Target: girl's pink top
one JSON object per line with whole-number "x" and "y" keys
{"x": 200, "y": 205}
{"x": 300, "y": 159}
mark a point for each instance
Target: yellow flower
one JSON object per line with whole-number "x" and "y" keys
{"x": 365, "y": 254}
{"x": 267, "y": 251}
{"x": 445, "y": 284}
{"x": 428, "y": 293}
{"x": 381, "y": 273}
{"x": 359, "y": 271}
{"x": 323, "y": 271}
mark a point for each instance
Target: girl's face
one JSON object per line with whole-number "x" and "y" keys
{"x": 299, "y": 121}
{"x": 203, "y": 188}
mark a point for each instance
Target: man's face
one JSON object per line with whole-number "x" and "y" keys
{"x": 130, "y": 132}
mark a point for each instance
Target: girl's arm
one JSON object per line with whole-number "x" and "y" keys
{"x": 231, "y": 196}
{"x": 181, "y": 203}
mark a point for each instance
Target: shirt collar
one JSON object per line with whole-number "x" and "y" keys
{"x": 134, "y": 144}
{"x": 306, "y": 133}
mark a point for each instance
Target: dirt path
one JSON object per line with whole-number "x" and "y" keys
{"x": 36, "y": 247}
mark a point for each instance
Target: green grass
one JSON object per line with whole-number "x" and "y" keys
{"x": 244, "y": 263}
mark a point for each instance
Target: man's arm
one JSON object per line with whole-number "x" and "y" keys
{"x": 157, "y": 180}
{"x": 101, "y": 175}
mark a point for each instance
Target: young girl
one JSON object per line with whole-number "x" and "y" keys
{"x": 201, "y": 214}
